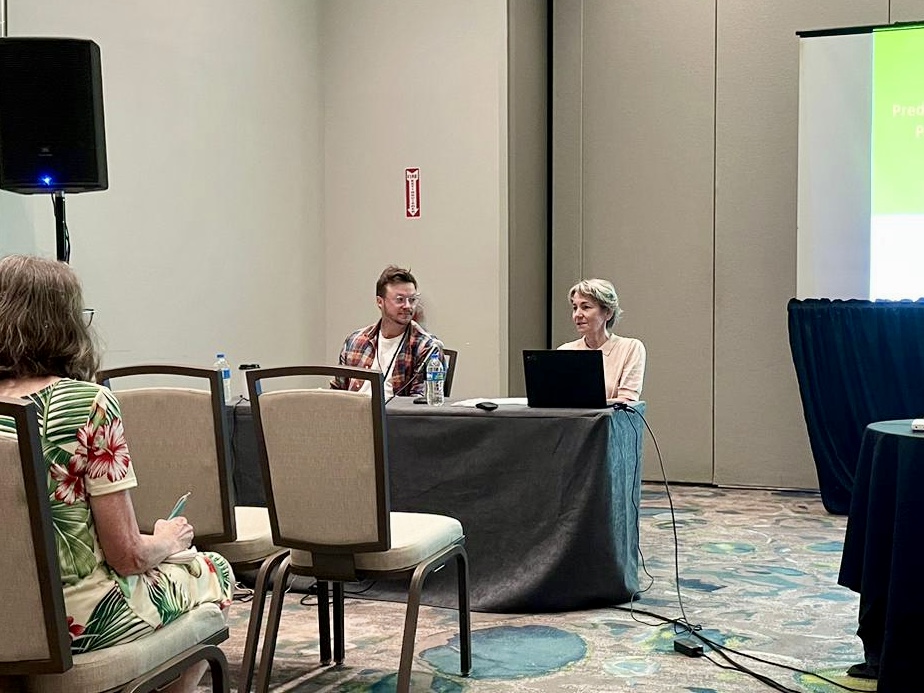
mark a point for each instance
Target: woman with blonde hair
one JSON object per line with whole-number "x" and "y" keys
{"x": 594, "y": 311}
{"x": 117, "y": 587}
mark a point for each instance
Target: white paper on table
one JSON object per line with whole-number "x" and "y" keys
{"x": 497, "y": 400}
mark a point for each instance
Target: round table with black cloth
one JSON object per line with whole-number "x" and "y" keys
{"x": 883, "y": 557}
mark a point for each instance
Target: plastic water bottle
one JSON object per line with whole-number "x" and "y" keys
{"x": 221, "y": 364}
{"x": 436, "y": 374}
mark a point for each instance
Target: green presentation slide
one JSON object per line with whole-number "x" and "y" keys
{"x": 898, "y": 122}
{"x": 860, "y": 219}
{"x": 896, "y": 238}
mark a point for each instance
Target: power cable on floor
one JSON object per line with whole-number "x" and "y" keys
{"x": 683, "y": 625}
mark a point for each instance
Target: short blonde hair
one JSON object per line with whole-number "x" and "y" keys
{"x": 601, "y": 292}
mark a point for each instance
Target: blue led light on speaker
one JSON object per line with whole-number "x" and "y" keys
{"x": 46, "y": 180}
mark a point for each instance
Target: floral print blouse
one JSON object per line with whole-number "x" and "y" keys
{"x": 85, "y": 451}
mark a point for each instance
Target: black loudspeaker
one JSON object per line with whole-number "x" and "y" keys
{"x": 52, "y": 135}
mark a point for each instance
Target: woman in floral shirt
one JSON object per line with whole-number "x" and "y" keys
{"x": 117, "y": 587}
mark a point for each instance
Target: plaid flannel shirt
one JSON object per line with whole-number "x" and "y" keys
{"x": 407, "y": 375}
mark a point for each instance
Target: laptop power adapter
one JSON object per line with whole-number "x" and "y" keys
{"x": 691, "y": 647}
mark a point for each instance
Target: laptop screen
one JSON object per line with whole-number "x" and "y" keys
{"x": 564, "y": 378}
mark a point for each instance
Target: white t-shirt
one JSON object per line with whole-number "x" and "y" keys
{"x": 386, "y": 351}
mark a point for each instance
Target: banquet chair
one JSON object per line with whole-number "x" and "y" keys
{"x": 35, "y": 653}
{"x": 323, "y": 456}
{"x": 179, "y": 443}
{"x": 452, "y": 357}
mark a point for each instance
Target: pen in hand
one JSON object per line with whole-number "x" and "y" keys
{"x": 180, "y": 504}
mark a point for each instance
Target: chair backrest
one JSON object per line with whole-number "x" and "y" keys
{"x": 452, "y": 357}
{"x": 33, "y": 620}
{"x": 178, "y": 441}
{"x": 324, "y": 461}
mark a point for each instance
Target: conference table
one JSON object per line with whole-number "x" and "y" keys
{"x": 882, "y": 558}
{"x": 548, "y": 498}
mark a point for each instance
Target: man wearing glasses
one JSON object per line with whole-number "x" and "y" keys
{"x": 395, "y": 345}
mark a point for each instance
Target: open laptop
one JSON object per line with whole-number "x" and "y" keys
{"x": 564, "y": 378}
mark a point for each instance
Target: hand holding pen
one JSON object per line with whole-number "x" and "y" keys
{"x": 180, "y": 505}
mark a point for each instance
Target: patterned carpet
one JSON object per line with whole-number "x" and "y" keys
{"x": 758, "y": 572}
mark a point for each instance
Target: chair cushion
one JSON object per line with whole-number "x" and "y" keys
{"x": 414, "y": 537}
{"x": 113, "y": 667}
{"x": 254, "y": 537}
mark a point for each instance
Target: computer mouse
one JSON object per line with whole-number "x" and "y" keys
{"x": 486, "y": 406}
{"x": 420, "y": 400}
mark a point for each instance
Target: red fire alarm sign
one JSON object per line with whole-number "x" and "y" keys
{"x": 412, "y": 193}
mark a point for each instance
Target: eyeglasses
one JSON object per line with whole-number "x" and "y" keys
{"x": 410, "y": 301}
{"x": 88, "y": 314}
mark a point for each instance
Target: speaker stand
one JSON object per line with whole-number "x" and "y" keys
{"x": 63, "y": 241}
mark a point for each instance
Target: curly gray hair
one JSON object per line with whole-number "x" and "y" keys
{"x": 601, "y": 292}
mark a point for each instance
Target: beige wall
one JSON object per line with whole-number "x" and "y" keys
{"x": 419, "y": 84}
{"x": 760, "y": 430}
{"x": 528, "y": 184}
{"x": 638, "y": 155}
{"x": 906, "y": 11}
{"x": 675, "y": 131}
{"x": 256, "y": 167}
{"x": 256, "y": 176}
{"x": 209, "y": 236}
{"x": 567, "y": 184}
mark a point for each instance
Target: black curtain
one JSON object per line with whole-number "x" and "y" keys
{"x": 856, "y": 362}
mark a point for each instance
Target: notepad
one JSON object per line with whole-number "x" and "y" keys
{"x": 184, "y": 556}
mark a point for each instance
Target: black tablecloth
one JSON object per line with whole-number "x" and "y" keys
{"x": 883, "y": 558}
{"x": 548, "y": 498}
{"x": 856, "y": 362}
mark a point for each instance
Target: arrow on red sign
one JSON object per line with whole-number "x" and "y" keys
{"x": 412, "y": 193}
